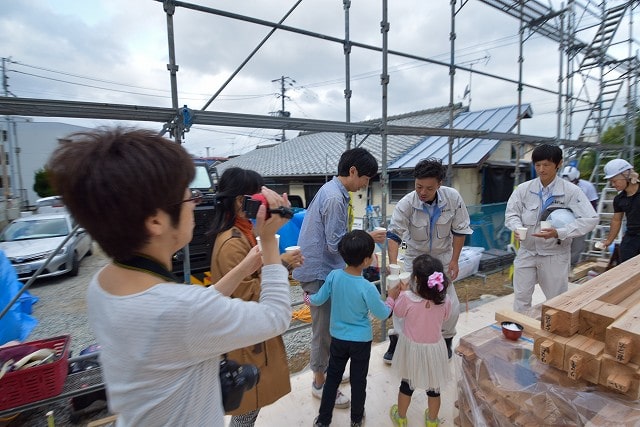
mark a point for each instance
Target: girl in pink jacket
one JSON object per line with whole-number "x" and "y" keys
{"x": 421, "y": 356}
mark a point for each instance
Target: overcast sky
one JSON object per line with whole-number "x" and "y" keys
{"x": 115, "y": 51}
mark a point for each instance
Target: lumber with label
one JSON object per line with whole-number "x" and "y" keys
{"x": 621, "y": 378}
{"x": 561, "y": 315}
{"x": 582, "y": 358}
{"x": 622, "y": 338}
{"x": 549, "y": 348}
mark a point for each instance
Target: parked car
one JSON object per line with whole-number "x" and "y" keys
{"x": 28, "y": 242}
{"x": 49, "y": 202}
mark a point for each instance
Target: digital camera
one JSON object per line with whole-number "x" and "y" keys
{"x": 252, "y": 203}
{"x": 235, "y": 379}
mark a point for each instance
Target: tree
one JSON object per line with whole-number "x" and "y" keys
{"x": 41, "y": 184}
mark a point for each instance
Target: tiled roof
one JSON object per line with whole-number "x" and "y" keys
{"x": 317, "y": 153}
{"x": 313, "y": 154}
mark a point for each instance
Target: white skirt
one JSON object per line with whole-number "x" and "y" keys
{"x": 424, "y": 366}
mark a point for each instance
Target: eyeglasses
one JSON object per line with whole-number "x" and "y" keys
{"x": 196, "y": 197}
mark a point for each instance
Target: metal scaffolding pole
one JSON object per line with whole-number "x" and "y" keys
{"x": 347, "y": 70}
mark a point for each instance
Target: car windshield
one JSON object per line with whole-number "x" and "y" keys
{"x": 35, "y": 229}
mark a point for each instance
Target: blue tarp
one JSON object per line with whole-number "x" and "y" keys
{"x": 291, "y": 230}
{"x": 18, "y": 322}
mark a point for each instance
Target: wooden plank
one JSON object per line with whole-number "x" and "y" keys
{"x": 596, "y": 316}
{"x": 560, "y": 315}
{"x": 622, "y": 378}
{"x": 628, "y": 302}
{"x": 581, "y": 271}
{"x": 549, "y": 348}
{"x": 529, "y": 324}
{"x": 622, "y": 338}
{"x": 582, "y": 358}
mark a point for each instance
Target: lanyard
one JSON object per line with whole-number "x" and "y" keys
{"x": 147, "y": 265}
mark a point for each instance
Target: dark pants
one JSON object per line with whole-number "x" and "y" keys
{"x": 340, "y": 352}
{"x": 629, "y": 247}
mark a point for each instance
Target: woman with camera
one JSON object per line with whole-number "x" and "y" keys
{"x": 234, "y": 238}
{"x": 161, "y": 341}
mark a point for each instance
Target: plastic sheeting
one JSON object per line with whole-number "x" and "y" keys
{"x": 502, "y": 383}
{"x": 18, "y": 322}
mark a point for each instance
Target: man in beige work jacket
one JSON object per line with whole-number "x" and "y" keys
{"x": 545, "y": 252}
{"x": 434, "y": 220}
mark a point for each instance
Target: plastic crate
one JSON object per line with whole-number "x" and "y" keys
{"x": 38, "y": 382}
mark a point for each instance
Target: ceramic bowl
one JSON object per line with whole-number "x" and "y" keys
{"x": 511, "y": 330}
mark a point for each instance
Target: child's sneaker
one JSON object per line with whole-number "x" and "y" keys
{"x": 429, "y": 422}
{"x": 342, "y": 401}
{"x": 397, "y": 420}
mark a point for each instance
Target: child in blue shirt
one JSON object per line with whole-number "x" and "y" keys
{"x": 352, "y": 298}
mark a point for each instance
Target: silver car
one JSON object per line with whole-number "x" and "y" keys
{"x": 28, "y": 242}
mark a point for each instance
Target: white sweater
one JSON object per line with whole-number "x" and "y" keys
{"x": 161, "y": 348}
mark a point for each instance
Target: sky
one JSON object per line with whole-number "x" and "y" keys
{"x": 116, "y": 51}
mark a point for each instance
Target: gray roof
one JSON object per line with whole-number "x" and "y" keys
{"x": 317, "y": 153}
{"x": 466, "y": 151}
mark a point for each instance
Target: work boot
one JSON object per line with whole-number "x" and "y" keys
{"x": 449, "y": 342}
{"x": 393, "y": 341}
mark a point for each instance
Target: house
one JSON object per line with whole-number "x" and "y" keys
{"x": 482, "y": 168}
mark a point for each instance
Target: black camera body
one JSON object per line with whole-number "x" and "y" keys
{"x": 235, "y": 379}
{"x": 251, "y": 204}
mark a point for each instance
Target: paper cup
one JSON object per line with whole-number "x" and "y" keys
{"x": 522, "y": 232}
{"x": 277, "y": 241}
{"x": 394, "y": 269}
{"x": 545, "y": 224}
{"x": 392, "y": 281}
{"x": 290, "y": 249}
{"x": 380, "y": 229}
{"x": 599, "y": 245}
{"x": 405, "y": 277}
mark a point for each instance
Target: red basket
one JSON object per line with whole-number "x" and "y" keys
{"x": 38, "y": 382}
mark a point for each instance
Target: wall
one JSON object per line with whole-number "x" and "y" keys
{"x": 36, "y": 141}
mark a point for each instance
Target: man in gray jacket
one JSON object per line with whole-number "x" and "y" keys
{"x": 545, "y": 252}
{"x": 432, "y": 219}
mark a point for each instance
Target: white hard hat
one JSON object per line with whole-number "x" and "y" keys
{"x": 570, "y": 173}
{"x": 616, "y": 166}
{"x": 559, "y": 218}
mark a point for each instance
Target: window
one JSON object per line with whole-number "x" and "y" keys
{"x": 399, "y": 187}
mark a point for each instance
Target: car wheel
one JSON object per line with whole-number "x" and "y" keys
{"x": 75, "y": 265}
{"x": 90, "y": 251}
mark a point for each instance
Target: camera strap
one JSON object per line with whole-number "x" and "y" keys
{"x": 148, "y": 265}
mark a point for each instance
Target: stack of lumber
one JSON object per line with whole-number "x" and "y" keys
{"x": 576, "y": 364}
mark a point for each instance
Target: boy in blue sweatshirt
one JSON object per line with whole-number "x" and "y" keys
{"x": 352, "y": 298}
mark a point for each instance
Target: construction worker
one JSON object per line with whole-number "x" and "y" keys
{"x": 572, "y": 174}
{"x": 544, "y": 254}
{"x": 624, "y": 179}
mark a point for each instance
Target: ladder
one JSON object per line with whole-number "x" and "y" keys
{"x": 605, "y": 213}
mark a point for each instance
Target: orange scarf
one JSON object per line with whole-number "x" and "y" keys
{"x": 246, "y": 227}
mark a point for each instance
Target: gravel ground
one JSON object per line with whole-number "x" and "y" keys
{"x": 62, "y": 310}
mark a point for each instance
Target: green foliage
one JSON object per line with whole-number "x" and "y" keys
{"x": 41, "y": 184}
{"x": 615, "y": 135}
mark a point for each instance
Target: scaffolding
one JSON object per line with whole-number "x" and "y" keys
{"x": 586, "y": 32}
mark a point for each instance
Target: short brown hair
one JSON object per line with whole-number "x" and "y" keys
{"x": 113, "y": 179}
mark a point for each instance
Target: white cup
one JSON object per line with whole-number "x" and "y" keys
{"x": 277, "y": 241}
{"x": 290, "y": 249}
{"x": 545, "y": 224}
{"x": 405, "y": 276}
{"x": 394, "y": 269}
{"x": 599, "y": 245}
{"x": 522, "y": 232}
{"x": 392, "y": 281}
{"x": 380, "y": 229}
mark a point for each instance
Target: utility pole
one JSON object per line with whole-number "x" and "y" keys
{"x": 6, "y": 139}
{"x": 282, "y": 112}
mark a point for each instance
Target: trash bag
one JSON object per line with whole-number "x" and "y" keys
{"x": 18, "y": 322}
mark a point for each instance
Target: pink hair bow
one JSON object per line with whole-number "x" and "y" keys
{"x": 436, "y": 279}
